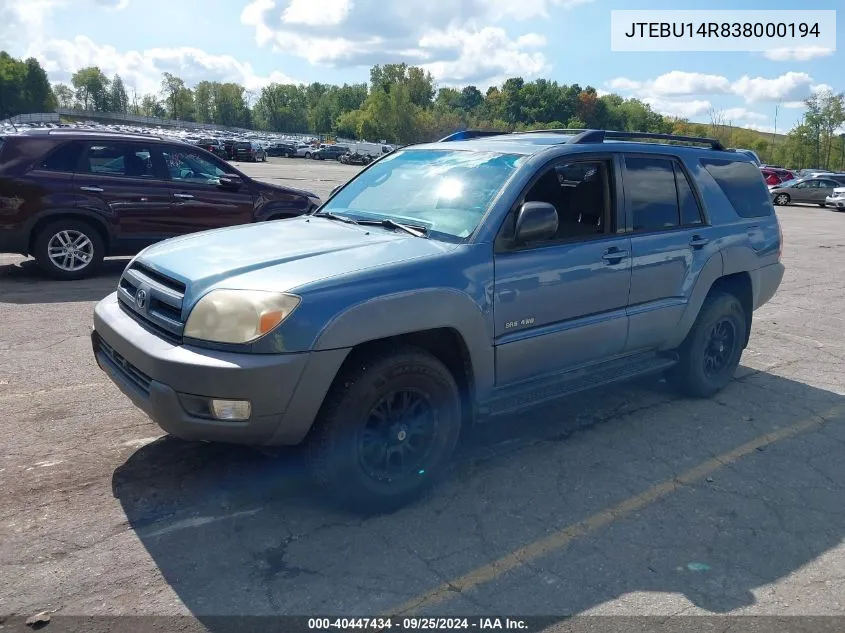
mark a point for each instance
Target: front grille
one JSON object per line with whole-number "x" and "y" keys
{"x": 124, "y": 367}
{"x": 159, "y": 306}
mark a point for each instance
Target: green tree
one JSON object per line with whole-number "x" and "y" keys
{"x": 151, "y": 106}
{"x": 118, "y": 99}
{"x": 173, "y": 91}
{"x": 64, "y": 95}
{"x": 92, "y": 88}
{"x": 282, "y": 108}
{"x": 203, "y": 102}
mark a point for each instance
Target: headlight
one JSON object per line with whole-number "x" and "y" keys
{"x": 238, "y": 316}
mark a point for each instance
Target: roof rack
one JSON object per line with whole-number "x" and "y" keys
{"x": 599, "y": 136}
{"x": 465, "y": 135}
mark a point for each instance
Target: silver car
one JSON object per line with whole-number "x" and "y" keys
{"x": 836, "y": 199}
{"x": 813, "y": 190}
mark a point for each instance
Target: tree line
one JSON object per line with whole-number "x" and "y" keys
{"x": 403, "y": 104}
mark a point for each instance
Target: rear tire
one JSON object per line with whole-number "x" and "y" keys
{"x": 386, "y": 431}
{"x": 711, "y": 352}
{"x": 69, "y": 249}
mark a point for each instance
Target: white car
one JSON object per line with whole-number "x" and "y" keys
{"x": 303, "y": 150}
{"x": 836, "y": 199}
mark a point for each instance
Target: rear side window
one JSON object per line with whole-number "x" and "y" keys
{"x": 64, "y": 158}
{"x": 742, "y": 185}
{"x": 650, "y": 189}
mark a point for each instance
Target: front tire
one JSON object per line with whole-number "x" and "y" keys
{"x": 69, "y": 249}
{"x": 307, "y": 155}
{"x": 386, "y": 431}
{"x": 711, "y": 352}
{"x": 782, "y": 199}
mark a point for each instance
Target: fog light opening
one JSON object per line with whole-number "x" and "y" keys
{"x": 237, "y": 410}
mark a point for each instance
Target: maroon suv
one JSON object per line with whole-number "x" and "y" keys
{"x": 71, "y": 197}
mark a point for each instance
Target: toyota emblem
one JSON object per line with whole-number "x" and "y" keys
{"x": 141, "y": 299}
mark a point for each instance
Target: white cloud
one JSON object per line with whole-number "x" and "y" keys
{"x": 484, "y": 56}
{"x": 143, "y": 69}
{"x": 683, "y": 109}
{"x": 317, "y": 12}
{"x": 816, "y": 88}
{"x": 664, "y": 93}
{"x": 790, "y": 86}
{"x": 742, "y": 114}
{"x": 798, "y": 54}
{"x": 457, "y": 40}
{"x": 794, "y": 105}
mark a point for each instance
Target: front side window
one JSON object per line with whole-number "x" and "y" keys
{"x": 185, "y": 165}
{"x": 446, "y": 191}
{"x": 581, "y": 192}
{"x": 130, "y": 160}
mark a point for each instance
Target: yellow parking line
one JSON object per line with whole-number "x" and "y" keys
{"x": 567, "y": 535}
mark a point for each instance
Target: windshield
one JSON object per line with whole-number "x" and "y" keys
{"x": 445, "y": 191}
{"x": 789, "y": 183}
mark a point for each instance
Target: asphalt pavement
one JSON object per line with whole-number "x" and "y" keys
{"x": 626, "y": 501}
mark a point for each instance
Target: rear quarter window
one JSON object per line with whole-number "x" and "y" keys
{"x": 743, "y": 186}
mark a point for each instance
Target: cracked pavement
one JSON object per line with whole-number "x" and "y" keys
{"x": 102, "y": 514}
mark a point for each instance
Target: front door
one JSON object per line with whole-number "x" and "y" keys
{"x": 124, "y": 182}
{"x": 199, "y": 202}
{"x": 561, "y": 303}
{"x": 670, "y": 243}
{"x": 806, "y": 191}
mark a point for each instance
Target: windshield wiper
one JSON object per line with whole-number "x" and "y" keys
{"x": 416, "y": 231}
{"x": 332, "y": 216}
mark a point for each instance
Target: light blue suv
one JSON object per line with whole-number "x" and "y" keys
{"x": 446, "y": 284}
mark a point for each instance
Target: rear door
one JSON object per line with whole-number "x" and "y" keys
{"x": 199, "y": 202}
{"x": 670, "y": 243}
{"x": 124, "y": 182}
{"x": 825, "y": 188}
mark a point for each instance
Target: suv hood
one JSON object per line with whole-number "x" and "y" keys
{"x": 281, "y": 255}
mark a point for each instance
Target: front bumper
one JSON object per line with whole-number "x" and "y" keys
{"x": 173, "y": 383}
{"x": 836, "y": 203}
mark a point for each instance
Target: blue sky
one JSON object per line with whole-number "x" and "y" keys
{"x": 460, "y": 41}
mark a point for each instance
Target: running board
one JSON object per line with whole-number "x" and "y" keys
{"x": 535, "y": 392}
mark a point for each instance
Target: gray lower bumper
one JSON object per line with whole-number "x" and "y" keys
{"x": 766, "y": 281}
{"x": 172, "y": 383}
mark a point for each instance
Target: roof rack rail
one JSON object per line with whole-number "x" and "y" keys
{"x": 599, "y": 136}
{"x": 465, "y": 135}
{"x": 555, "y": 130}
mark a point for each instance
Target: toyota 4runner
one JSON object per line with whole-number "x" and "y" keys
{"x": 445, "y": 284}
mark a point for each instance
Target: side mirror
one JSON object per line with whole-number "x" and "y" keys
{"x": 535, "y": 221}
{"x": 231, "y": 181}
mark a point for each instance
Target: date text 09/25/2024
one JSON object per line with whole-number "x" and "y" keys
{"x": 417, "y": 624}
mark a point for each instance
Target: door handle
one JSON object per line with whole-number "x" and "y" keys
{"x": 506, "y": 295}
{"x": 93, "y": 189}
{"x": 614, "y": 255}
{"x": 698, "y": 242}
{"x": 184, "y": 196}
